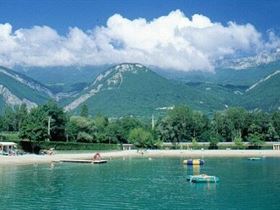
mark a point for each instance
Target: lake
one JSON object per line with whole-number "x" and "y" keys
{"x": 139, "y": 183}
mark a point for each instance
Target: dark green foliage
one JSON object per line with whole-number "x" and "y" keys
{"x": 28, "y": 146}
{"x": 12, "y": 118}
{"x": 232, "y": 123}
{"x": 57, "y": 121}
{"x": 78, "y": 146}
{"x": 80, "y": 129}
{"x": 141, "y": 138}
{"x": 224, "y": 126}
{"x": 84, "y": 137}
{"x": 84, "y": 111}
{"x": 9, "y": 136}
{"x": 35, "y": 126}
{"x": 276, "y": 122}
{"x": 118, "y": 131}
{"x": 181, "y": 125}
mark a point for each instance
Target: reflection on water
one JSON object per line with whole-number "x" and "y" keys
{"x": 192, "y": 169}
{"x": 138, "y": 183}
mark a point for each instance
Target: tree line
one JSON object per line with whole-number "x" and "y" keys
{"x": 182, "y": 124}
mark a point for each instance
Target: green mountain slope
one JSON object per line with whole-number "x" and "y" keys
{"x": 63, "y": 79}
{"x": 16, "y": 89}
{"x": 134, "y": 89}
{"x": 265, "y": 94}
{"x": 225, "y": 76}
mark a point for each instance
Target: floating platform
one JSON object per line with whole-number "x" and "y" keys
{"x": 203, "y": 178}
{"x": 83, "y": 161}
{"x": 194, "y": 162}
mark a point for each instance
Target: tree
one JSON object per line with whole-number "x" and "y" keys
{"x": 34, "y": 126}
{"x": 21, "y": 113}
{"x": 9, "y": 119}
{"x": 260, "y": 124}
{"x": 177, "y": 126}
{"x": 256, "y": 137}
{"x": 84, "y": 111}
{"x": 58, "y": 121}
{"x": 256, "y": 140}
{"x": 101, "y": 124}
{"x": 275, "y": 119}
{"x": 13, "y": 117}
{"x": 141, "y": 138}
{"x": 114, "y": 133}
{"x": 77, "y": 125}
{"x": 200, "y": 124}
{"x": 237, "y": 116}
{"x": 223, "y": 126}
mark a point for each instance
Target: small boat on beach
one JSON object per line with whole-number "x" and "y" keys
{"x": 193, "y": 162}
{"x": 202, "y": 178}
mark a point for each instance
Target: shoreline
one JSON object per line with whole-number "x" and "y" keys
{"x": 107, "y": 155}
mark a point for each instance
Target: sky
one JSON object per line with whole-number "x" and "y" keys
{"x": 192, "y": 34}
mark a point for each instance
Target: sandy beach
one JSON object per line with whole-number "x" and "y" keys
{"x": 31, "y": 158}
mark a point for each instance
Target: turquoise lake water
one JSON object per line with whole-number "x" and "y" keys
{"x": 139, "y": 183}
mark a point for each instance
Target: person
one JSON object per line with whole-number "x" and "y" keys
{"x": 50, "y": 151}
{"x": 97, "y": 156}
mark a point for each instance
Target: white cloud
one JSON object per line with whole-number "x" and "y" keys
{"x": 172, "y": 42}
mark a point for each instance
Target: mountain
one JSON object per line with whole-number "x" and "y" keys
{"x": 135, "y": 89}
{"x": 264, "y": 94}
{"x": 16, "y": 89}
{"x": 62, "y": 78}
{"x": 225, "y": 76}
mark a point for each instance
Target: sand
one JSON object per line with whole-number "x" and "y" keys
{"x": 36, "y": 159}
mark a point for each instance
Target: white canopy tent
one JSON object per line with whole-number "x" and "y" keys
{"x": 7, "y": 147}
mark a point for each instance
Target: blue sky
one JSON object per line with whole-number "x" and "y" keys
{"x": 263, "y": 14}
{"x": 181, "y": 35}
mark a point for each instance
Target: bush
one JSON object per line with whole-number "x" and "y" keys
{"x": 77, "y": 146}
{"x": 238, "y": 143}
{"x": 194, "y": 144}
